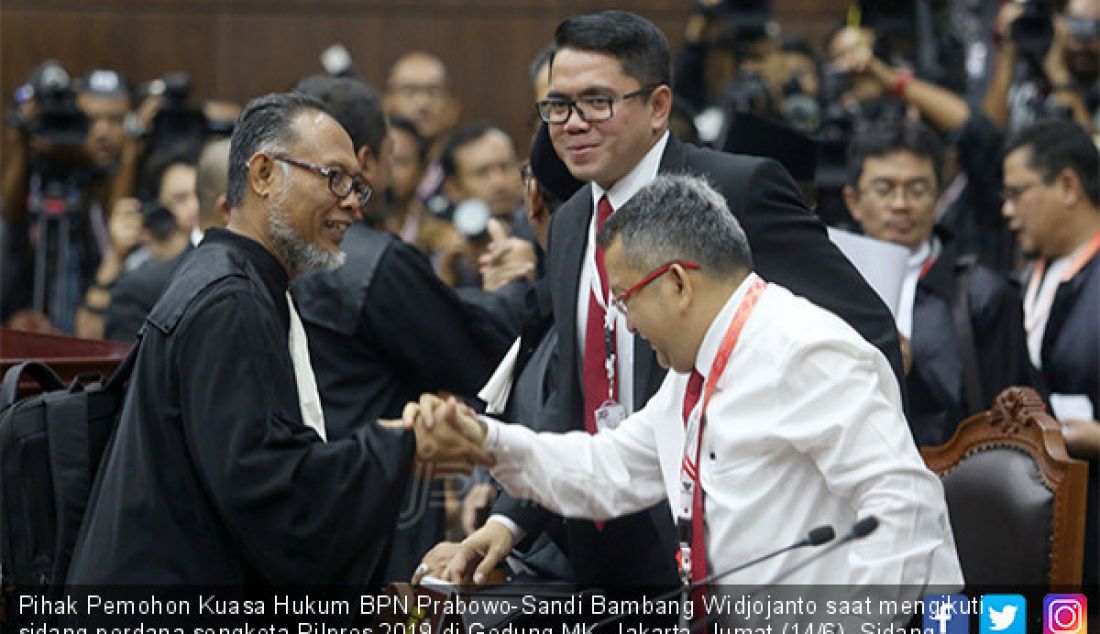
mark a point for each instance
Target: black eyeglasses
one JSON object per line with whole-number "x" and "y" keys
{"x": 592, "y": 109}
{"x": 1011, "y": 193}
{"x": 340, "y": 183}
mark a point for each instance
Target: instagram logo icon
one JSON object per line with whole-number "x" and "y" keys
{"x": 1065, "y": 614}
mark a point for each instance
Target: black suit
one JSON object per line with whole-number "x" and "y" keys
{"x": 789, "y": 247}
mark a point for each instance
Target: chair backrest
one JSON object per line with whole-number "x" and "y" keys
{"x": 1016, "y": 498}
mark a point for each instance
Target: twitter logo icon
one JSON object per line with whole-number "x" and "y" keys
{"x": 1003, "y": 614}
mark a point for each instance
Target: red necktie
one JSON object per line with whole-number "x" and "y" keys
{"x": 595, "y": 354}
{"x": 698, "y": 546}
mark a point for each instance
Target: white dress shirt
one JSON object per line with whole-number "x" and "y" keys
{"x": 1039, "y": 300}
{"x": 805, "y": 428}
{"x": 642, "y": 174}
{"x": 309, "y": 399}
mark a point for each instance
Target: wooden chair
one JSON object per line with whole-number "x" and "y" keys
{"x": 1016, "y": 499}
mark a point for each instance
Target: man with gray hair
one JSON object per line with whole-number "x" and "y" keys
{"x": 803, "y": 423}
{"x": 219, "y": 471}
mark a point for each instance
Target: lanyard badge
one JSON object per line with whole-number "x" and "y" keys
{"x": 611, "y": 412}
{"x": 693, "y": 432}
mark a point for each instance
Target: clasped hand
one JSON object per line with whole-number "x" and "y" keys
{"x": 449, "y": 437}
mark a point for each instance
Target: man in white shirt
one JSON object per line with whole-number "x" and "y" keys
{"x": 607, "y": 111}
{"x": 802, "y": 427}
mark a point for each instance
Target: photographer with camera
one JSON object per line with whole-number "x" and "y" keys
{"x": 1031, "y": 78}
{"x": 164, "y": 225}
{"x": 69, "y": 161}
{"x": 733, "y": 61}
{"x": 969, "y": 206}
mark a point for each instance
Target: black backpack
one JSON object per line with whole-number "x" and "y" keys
{"x": 50, "y": 449}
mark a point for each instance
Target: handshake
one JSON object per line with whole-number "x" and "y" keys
{"x": 449, "y": 437}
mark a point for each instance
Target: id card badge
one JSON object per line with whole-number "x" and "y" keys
{"x": 608, "y": 415}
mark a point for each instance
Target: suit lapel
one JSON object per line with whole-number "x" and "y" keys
{"x": 646, "y": 369}
{"x": 570, "y": 236}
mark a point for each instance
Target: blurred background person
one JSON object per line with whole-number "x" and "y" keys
{"x": 135, "y": 292}
{"x": 964, "y": 321}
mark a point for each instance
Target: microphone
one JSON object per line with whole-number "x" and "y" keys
{"x": 862, "y": 528}
{"x": 817, "y": 536}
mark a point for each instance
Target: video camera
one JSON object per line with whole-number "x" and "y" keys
{"x": 748, "y": 19}
{"x": 1033, "y": 31}
{"x": 176, "y": 120}
{"x": 46, "y": 107}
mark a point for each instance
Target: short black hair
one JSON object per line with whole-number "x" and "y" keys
{"x": 462, "y": 137}
{"x": 542, "y": 58}
{"x": 1060, "y": 144}
{"x": 264, "y": 124}
{"x": 406, "y": 125}
{"x": 636, "y": 42}
{"x": 894, "y": 135}
{"x": 353, "y": 104}
{"x": 157, "y": 164}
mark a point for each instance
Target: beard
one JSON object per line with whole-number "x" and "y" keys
{"x": 300, "y": 255}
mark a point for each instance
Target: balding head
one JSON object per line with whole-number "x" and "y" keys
{"x": 211, "y": 184}
{"x": 419, "y": 90}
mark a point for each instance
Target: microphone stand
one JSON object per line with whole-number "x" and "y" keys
{"x": 816, "y": 537}
{"x": 859, "y": 530}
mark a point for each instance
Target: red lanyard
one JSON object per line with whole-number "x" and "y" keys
{"x": 693, "y": 442}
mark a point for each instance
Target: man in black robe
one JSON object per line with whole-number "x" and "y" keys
{"x": 1052, "y": 202}
{"x": 964, "y": 319}
{"x": 219, "y": 471}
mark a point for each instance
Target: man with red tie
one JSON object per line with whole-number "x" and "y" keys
{"x": 777, "y": 417}
{"x": 607, "y": 112}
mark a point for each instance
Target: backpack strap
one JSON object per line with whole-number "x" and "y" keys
{"x": 78, "y": 440}
{"x": 47, "y": 379}
{"x": 972, "y": 381}
{"x": 125, "y": 368}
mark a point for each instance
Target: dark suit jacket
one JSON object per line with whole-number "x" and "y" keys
{"x": 789, "y": 246}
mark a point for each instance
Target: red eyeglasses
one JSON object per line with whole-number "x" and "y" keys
{"x": 620, "y": 300}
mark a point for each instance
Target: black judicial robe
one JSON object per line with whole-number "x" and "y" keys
{"x": 212, "y": 477}
{"x": 382, "y": 330}
{"x": 1071, "y": 365}
{"x": 135, "y": 294}
{"x": 938, "y": 401}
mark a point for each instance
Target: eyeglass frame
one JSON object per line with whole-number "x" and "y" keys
{"x": 573, "y": 106}
{"x": 331, "y": 173}
{"x": 1011, "y": 194}
{"x": 620, "y": 300}
{"x": 905, "y": 188}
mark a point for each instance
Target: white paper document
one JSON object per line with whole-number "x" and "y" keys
{"x": 882, "y": 264}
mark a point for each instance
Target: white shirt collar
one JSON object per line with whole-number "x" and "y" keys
{"x": 717, "y": 330}
{"x": 642, "y": 174}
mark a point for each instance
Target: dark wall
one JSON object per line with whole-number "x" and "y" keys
{"x": 237, "y": 49}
